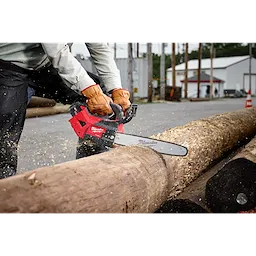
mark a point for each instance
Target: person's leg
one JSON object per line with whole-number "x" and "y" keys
{"x": 31, "y": 92}
{"x": 13, "y": 103}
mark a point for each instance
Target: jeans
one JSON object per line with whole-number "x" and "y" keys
{"x": 16, "y": 90}
{"x": 31, "y": 92}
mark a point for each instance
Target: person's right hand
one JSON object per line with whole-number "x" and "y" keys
{"x": 97, "y": 101}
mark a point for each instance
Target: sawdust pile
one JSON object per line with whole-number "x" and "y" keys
{"x": 207, "y": 140}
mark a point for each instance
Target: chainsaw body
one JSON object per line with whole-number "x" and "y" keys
{"x": 99, "y": 130}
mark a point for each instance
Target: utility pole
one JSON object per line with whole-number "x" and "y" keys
{"x": 162, "y": 73}
{"x": 183, "y": 52}
{"x": 130, "y": 70}
{"x": 250, "y": 67}
{"x": 211, "y": 77}
{"x": 199, "y": 70}
{"x": 149, "y": 55}
{"x": 186, "y": 72}
{"x": 173, "y": 67}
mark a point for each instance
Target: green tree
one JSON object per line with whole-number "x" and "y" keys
{"x": 223, "y": 50}
{"x": 222, "y": 44}
{"x": 156, "y": 63}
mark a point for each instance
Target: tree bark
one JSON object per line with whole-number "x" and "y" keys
{"x": 128, "y": 179}
{"x": 207, "y": 140}
{"x": 124, "y": 180}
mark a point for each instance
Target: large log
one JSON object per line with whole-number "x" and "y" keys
{"x": 127, "y": 179}
{"x": 124, "y": 180}
{"x": 219, "y": 185}
{"x": 233, "y": 188}
{"x": 192, "y": 198}
{"x": 46, "y": 111}
{"x": 207, "y": 141}
{"x": 37, "y": 102}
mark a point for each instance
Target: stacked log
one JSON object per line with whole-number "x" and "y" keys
{"x": 44, "y": 107}
{"x": 46, "y": 111}
{"x": 207, "y": 140}
{"x": 37, "y": 102}
{"x": 233, "y": 188}
{"x": 128, "y": 179}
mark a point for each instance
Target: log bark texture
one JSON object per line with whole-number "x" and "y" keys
{"x": 127, "y": 179}
{"x": 207, "y": 140}
{"x": 46, "y": 111}
{"x": 37, "y": 102}
{"x": 124, "y": 180}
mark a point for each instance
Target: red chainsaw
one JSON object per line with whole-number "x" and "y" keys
{"x": 105, "y": 131}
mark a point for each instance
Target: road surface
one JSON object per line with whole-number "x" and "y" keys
{"x": 50, "y": 140}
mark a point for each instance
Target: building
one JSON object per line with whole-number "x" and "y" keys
{"x": 233, "y": 71}
{"x": 140, "y": 73}
{"x": 217, "y": 90}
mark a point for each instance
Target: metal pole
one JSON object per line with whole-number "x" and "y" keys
{"x": 138, "y": 50}
{"x": 115, "y": 50}
{"x": 162, "y": 73}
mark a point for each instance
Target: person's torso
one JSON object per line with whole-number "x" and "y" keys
{"x": 26, "y": 55}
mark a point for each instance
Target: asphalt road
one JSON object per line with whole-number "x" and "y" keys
{"x": 51, "y": 140}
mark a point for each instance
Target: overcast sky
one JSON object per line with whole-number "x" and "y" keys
{"x": 80, "y": 48}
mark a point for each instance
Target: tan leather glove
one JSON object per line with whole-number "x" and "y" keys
{"x": 98, "y": 102}
{"x": 121, "y": 97}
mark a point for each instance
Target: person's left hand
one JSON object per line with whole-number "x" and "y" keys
{"x": 121, "y": 97}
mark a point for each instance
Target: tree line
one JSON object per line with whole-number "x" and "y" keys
{"x": 221, "y": 50}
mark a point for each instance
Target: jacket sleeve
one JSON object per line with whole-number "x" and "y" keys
{"x": 105, "y": 64}
{"x": 68, "y": 67}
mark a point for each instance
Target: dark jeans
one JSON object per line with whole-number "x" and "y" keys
{"x": 13, "y": 102}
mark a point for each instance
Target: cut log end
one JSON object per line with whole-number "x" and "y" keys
{"x": 233, "y": 188}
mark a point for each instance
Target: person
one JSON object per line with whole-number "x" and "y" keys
{"x": 50, "y": 70}
{"x": 216, "y": 92}
{"x": 207, "y": 91}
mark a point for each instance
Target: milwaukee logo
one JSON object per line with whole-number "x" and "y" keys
{"x": 144, "y": 142}
{"x": 96, "y": 129}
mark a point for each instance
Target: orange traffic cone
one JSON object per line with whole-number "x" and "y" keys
{"x": 248, "y": 103}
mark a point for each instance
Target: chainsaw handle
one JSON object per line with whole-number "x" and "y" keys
{"x": 122, "y": 117}
{"x": 118, "y": 115}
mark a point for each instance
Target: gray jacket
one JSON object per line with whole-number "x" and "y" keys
{"x": 34, "y": 56}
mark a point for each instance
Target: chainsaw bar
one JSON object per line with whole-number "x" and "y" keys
{"x": 160, "y": 146}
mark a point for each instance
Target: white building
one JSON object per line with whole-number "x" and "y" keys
{"x": 204, "y": 92}
{"x": 233, "y": 71}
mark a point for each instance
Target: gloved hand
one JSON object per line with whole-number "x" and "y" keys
{"x": 98, "y": 102}
{"x": 121, "y": 97}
